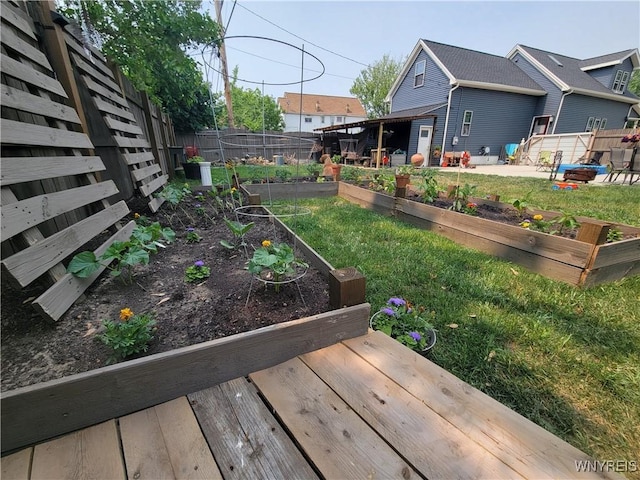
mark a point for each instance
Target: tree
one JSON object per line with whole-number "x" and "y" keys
{"x": 248, "y": 109}
{"x": 148, "y": 40}
{"x": 634, "y": 83}
{"x": 373, "y": 85}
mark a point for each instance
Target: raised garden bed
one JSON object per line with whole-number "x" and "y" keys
{"x": 585, "y": 261}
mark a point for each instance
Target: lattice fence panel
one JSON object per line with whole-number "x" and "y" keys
{"x": 126, "y": 133}
{"x": 52, "y": 204}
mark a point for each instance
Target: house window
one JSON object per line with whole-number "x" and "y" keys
{"x": 339, "y": 119}
{"x": 322, "y": 119}
{"x": 307, "y": 119}
{"x": 603, "y": 124}
{"x": 418, "y": 75}
{"x": 589, "y": 126}
{"x": 596, "y": 124}
{"x": 466, "y": 123}
{"x": 620, "y": 82}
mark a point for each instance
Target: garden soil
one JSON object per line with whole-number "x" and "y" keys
{"x": 230, "y": 301}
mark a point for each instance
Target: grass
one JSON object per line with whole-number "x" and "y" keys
{"x": 564, "y": 357}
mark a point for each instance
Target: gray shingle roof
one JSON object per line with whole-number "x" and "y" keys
{"x": 611, "y": 57}
{"x": 413, "y": 112}
{"x": 570, "y": 71}
{"x": 471, "y": 65}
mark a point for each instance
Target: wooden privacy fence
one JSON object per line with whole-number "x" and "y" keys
{"x": 603, "y": 140}
{"x": 574, "y": 146}
{"x": 52, "y": 201}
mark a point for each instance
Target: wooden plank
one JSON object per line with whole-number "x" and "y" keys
{"x": 28, "y": 169}
{"x": 28, "y": 264}
{"x": 12, "y": 16}
{"x": 123, "y": 126}
{"x": 25, "y": 49}
{"x": 610, "y": 273}
{"x": 27, "y": 74}
{"x": 93, "y": 71}
{"x": 24, "y": 214}
{"x": 519, "y": 443}
{"x": 26, "y": 102}
{"x": 427, "y": 440}
{"x": 245, "y": 438}
{"x": 551, "y": 246}
{"x": 379, "y": 203}
{"x": 110, "y": 108}
{"x": 277, "y": 191}
{"x": 38, "y": 412}
{"x": 142, "y": 173}
{"x": 128, "y": 142}
{"x": 624, "y": 251}
{"x": 58, "y": 298}
{"x": 155, "y": 204}
{"x": 90, "y": 453}
{"x": 20, "y": 133}
{"x": 135, "y": 158}
{"x": 113, "y": 95}
{"x": 166, "y": 442}
{"x": 76, "y": 46}
{"x": 16, "y": 466}
{"x": 153, "y": 185}
{"x": 338, "y": 442}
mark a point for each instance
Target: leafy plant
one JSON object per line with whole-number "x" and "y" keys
{"x": 614, "y": 235}
{"x": 273, "y": 262}
{"x": 461, "y": 196}
{"x": 238, "y": 229}
{"x": 470, "y": 208}
{"x": 283, "y": 174}
{"x": 174, "y": 193}
{"x": 407, "y": 169}
{"x": 199, "y": 209}
{"x": 429, "y": 185}
{"x": 313, "y": 169}
{"x": 192, "y": 236}
{"x": 129, "y": 335}
{"x": 564, "y": 221}
{"x": 537, "y": 223}
{"x": 135, "y": 251}
{"x": 195, "y": 159}
{"x": 405, "y": 323}
{"x": 522, "y": 204}
{"x": 336, "y": 159}
{"x": 196, "y": 272}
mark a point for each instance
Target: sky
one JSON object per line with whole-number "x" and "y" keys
{"x": 329, "y": 43}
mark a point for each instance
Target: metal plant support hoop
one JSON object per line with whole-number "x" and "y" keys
{"x": 280, "y": 282}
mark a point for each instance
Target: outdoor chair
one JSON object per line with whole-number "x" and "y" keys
{"x": 617, "y": 164}
{"x": 544, "y": 162}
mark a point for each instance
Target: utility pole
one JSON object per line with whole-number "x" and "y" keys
{"x": 223, "y": 63}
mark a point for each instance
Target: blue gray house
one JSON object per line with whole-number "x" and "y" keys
{"x": 467, "y": 100}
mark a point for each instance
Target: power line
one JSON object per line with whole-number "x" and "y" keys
{"x": 304, "y": 40}
{"x": 286, "y": 64}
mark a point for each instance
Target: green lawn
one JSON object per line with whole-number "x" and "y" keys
{"x": 564, "y": 357}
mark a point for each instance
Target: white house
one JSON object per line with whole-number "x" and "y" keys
{"x": 319, "y": 111}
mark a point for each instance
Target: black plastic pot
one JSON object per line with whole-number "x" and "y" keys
{"x": 191, "y": 170}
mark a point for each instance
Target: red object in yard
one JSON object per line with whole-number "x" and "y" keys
{"x": 564, "y": 186}
{"x": 191, "y": 151}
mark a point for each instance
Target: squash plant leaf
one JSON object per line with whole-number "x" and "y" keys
{"x": 83, "y": 264}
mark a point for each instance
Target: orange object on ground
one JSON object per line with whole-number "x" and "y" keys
{"x": 564, "y": 186}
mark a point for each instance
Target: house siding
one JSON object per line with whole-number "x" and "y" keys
{"x": 498, "y": 118}
{"x": 606, "y": 76}
{"x": 577, "y": 109}
{"x": 548, "y": 104}
{"x": 435, "y": 89}
{"x": 292, "y": 121}
{"x": 436, "y": 135}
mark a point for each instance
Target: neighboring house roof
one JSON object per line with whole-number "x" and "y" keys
{"x": 321, "y": 105}
{"x": 569, "y": 73}
{"x": 411, "y": 113}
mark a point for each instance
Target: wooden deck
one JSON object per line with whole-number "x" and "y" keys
{"x": 362, "y": 408}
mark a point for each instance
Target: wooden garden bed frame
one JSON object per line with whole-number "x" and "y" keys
{"x": 587, "y": 261}
{"x": 38, "y": 412}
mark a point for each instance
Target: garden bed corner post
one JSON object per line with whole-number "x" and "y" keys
{"x": 346, "y": 287}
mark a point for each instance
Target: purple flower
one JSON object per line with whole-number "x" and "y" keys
{"x": 191, "y": 229}
{"x": 197, "y": 205}
{"x": 199, "y": 263}
{"x": 396, "y": 301}
{"x": 415, "y": 335}
{"x": 388, "y": 311}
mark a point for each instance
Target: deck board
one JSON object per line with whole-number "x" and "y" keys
{"x": 366, "y": 407}
{"x": 247, "y": 441}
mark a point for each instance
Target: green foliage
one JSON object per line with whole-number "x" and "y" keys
{"x": 197, "y": 272}
{"x": 383, "y": 183}
{"x": 174, "y": 193}
{"x": 144, "y": 239}
{"x": 461, "y": 197}
{"x": 374, "y": 83}
{"x": 634, "y": 83}
{"x": 283, "y": 174}
{"x": 564, "y": 221}
{"x": 277, "y": 259}
{"x": 149, "y": 40}
{"x": 313, "y": 169}
{"x": 248, "y": 105}
{"x": 238, "y": 229}
{"x": 614, "y": 235}
{"x": 192, "y": 236}
{"x": 429, "y": 185}
{"x": 407, "y": 324}
{"x": 129, "y": 335}
{"x": 195, "y": 159}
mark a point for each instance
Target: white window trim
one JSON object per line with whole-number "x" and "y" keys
{"x": 589, "y": 126}
{"x": 308, "y": 120}
{"x": 603, "y": 124}
{"x": 466, "y": 124}
{"x": 419, "y": 72}
{"x": 620, "y": 81}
